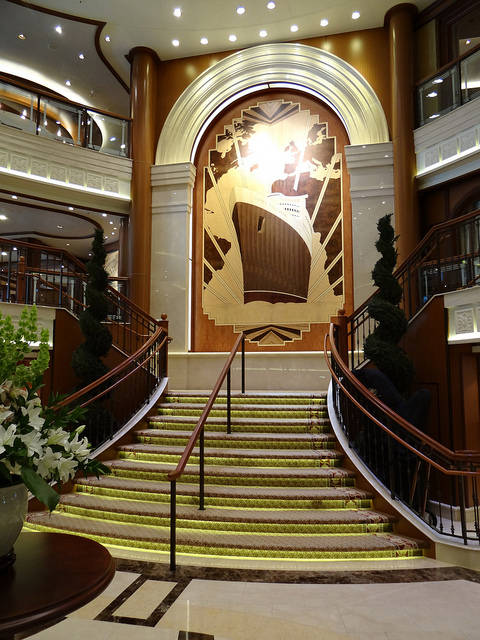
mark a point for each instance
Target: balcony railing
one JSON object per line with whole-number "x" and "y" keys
{"x": 51, "y": 116}
{"x": 450, "y": 87}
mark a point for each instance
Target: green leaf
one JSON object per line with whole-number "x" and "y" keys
{"x": 4, "y": 473}
{"x": 40, "y": 489}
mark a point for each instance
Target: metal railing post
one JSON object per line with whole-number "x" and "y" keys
{"x": 229, "y": 417}
{"x": 173, "y": 524}
{"x": 201, "y": 502}
{"x": 243, "y": 364}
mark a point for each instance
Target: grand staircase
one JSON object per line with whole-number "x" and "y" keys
{"x": 275, "y": 487}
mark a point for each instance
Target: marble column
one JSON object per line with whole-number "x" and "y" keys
{"x": 143, "y": 100}
{"x": 400, "y": 22}
{"x": 370, "y": 168}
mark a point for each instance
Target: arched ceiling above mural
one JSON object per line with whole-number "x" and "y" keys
{"x": 153, "y": 24}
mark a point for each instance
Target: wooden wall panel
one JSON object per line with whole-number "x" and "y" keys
{"x": 365, "y": 50}
{"x": 206, "y": 335}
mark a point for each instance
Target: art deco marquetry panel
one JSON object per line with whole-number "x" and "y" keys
{"x": 270, "y": 240}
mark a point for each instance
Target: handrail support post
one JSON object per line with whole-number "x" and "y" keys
{"x": 243, "y": 364}
{"x": 201, "y": 492}
{"x": 229, "y": 400}
{"x": 173, "y": 524}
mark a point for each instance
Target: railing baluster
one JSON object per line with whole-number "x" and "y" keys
{"x": 201, "y": 506}
{"x": 243, "y": 364}
{"x": 229, "y": 416}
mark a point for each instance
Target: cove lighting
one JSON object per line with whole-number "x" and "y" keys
{"x": 355, "y": 15}
{"x": 176, "y": 43}
{"x": 294, "y": 28}
{"x": 324, "y": 22}
{"x": 232, "y": 37}
{"x": 203, "y": 40}
{"x": 177, "y": 12}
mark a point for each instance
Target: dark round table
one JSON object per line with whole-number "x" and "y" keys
{"x": 54, "y": 573}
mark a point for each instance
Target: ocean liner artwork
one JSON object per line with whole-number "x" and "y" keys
{"x": 272, "y": 220}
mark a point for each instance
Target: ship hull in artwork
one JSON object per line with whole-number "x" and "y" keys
{"x": 275, "y": 243}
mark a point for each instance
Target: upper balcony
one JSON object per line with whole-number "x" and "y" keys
{"x": 62, "y": 150}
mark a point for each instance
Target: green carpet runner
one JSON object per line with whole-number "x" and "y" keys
{"x": 274, "y": 488}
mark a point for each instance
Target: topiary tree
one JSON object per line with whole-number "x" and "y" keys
{"x": 381, "y": 346}
{"x": 87, "y": 358}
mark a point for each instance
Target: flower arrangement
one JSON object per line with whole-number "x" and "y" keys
{"x": 37, "y": 445}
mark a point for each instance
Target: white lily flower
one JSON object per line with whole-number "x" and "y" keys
{"x": 66, "y": 468}
{"x": 34, "y": 418}
{"x": 7, "y": 436}
{"x": 34, "y": 443}
{"x": 16, "y": 392}
{"x": 5, "y": 414}
{"x": 15, "y": 469}
{"x": 58, "y": 436}
{"x": 79, "y": 448}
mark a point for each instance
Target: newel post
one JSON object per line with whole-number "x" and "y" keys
{"x": 342, "y": 337}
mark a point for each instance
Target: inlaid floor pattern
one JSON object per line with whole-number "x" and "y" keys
{"x": 275, "y": 487}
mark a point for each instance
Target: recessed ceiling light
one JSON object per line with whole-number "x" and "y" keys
{"x": 176, "y": 43}
{"x": 437, "y": 81}
{"x": 240, "y": 11}
{"x": 68, "y": 83}
{"x": 4, "y": 253}
{"x": 70, "y": 208}
{"x": 104, "y": 215}
{"x": 294, "y": 28}
{"x": 57, "y": 121}
{"x": 123, "y": 146}
{"x": 432, "y": 94}
{"x": 58, "y": 29}
{"x": 355, "y": 15}
{"x": 115, "y": 228}
{"x": 232, "y": 37}
{"x": 271, "y": 5}
{"x": 203, "y": 40}
{"x": 89, "y": 254}
{"x": 21, "y": 36}
{"x": 68, "y": 244}
{"x": 435, "y": 115}
{"x": 81, "y": 56}
{"x": 59, "y": 226}
{"x": 107, "y": 38}
{"x": 177, "y": 12}
{"x": 14, "y": 197}
{"x": 112, "y": 139}
{"x": 3, "y": 217}
{"x": 324, "y": 22}
{"x": 110, "y": 222}
{"x": 113, "y": 233}
{"x": 263, "y": 33}
{"x": 14, "y": 249}
{"x": 466, "y": 41}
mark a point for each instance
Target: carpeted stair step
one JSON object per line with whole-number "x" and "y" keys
{"x": 228, "y": 495}
{"x": 243, "y": 410}
{"x": 251, "y": 397}
{"x": 241, "y": 457}
{"x": 252, "y": 425}
{"x": 266, "y": 520}
{"x": 166, "y": 437}
{"x": 372, "y": 545}
{"x": 238, "y": 476}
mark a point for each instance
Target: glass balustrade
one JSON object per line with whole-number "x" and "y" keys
{"x": 449, "y": 89}
{"x": 63, "y": 121}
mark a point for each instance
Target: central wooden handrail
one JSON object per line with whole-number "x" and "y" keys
{"x": 176, "y": 473}
{"x": 199, "y": 434}
{"x": 453, "y": 456}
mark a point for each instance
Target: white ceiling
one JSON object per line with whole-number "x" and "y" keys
{"x": 151, "y": 23}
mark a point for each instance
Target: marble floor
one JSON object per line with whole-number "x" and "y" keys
{"x": 398, "y": 600}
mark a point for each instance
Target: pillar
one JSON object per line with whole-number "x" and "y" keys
{"x": 399, "y": 20}
{"x": 143, "y": 100}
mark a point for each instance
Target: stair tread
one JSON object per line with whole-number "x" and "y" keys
{"x": 284, "y": 437}
{"x": 285, "y": 516}
{"x": 240, "y": 540}
{"x": 308, "y": 422}
{"x": 249, "y": 394}
{"x": 234, "y": 471}
{"x": 185, "y": 488}
{"x": 235, "y": 453}
{"x": 243, "y": 407}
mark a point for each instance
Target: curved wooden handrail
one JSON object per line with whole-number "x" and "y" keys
{"x": 46, "y": 248}
{"x": 455, "y": 456}
{"x": 410, "y": 258}
{"x": 119, "y": 369}
{"x": 113, "y": 372}
{"x": 176, "y": 473}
